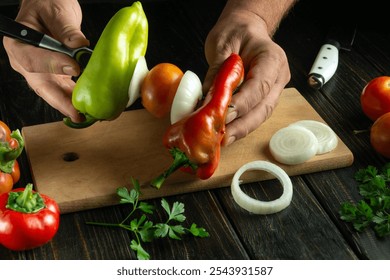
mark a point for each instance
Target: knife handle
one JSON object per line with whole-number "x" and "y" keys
{"x": 324, "y": 66}
{"x": 16, "y": 30}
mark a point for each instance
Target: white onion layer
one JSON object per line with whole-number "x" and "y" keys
{"x": 293, "y": 145}
{"x": 140, "y": 72}
{"x": 257, "y": 206}
{"x": 327, "y": 138}
{"x": 188, "y": 93}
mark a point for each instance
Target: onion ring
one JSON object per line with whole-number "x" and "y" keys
{"x": 257, "y": 206}
{"x": 293, "y": 145}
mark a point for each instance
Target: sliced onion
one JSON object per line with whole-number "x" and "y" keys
{"x": 327, "y": 138}
{"x": 140, "y": 72}
{"x": 257, "y": 206}
{"x": 188, "y": 93}
{"x": 293, "y": 145}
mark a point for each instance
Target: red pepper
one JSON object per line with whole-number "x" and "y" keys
{"x": 195, "y": 141}
{"x": 11, "y": 146}
{"x": 28, "y": 219}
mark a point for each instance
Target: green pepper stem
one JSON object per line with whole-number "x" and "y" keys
{"x": 26, "y": 201}
{"x": 25, "y": 196}
{"x": 9, "y": 155}
{"x": 88, "y": 122}
{"x": 179, "y": 160}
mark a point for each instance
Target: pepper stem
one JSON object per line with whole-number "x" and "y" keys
{"x": 26, "y": 201}
{"x": 8, "y": 155}
{"x": 179, "y": 160}
{"x": 88, "y": 122}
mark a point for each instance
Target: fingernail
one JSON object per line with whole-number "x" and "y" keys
{"x": 230, "y": 140}
{"x": 231, "y": 115}
{"x": 69, "y": 70}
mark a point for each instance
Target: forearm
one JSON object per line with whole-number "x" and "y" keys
{"x": 270, "y": 11}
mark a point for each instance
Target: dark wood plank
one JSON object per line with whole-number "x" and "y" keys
{"x": 338, "y": 102}
{"x": 301, "y": 231}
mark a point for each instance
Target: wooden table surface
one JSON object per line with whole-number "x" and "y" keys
{"x": 310, "y": 228}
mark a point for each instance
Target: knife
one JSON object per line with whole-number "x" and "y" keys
{"x": 16, "y": 30}
{"x": 339, "y": 37}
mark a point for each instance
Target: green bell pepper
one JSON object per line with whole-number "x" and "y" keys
{"x": 101, "y": 91}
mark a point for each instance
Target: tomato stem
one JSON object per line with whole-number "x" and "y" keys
{"x": 86, "y": 123}
{"x": 358, "y": 131}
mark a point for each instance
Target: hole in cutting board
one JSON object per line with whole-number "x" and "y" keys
{"x": 71, "y": 156}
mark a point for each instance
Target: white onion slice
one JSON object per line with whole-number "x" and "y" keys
{"x": 140, "y": 72}
{"x": 327, "y": 138}
{"x": 257, "y": 206}
{"x": 188, "y": 93}
{"x": 293, "y": 145}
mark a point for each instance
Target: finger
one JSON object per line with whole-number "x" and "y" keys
{"x": 64, "y": 23}
{"x": 215, "y": 57}
{"x": 254, "y": 103}
{"x": 266, "y": 71}
{"x": 56, "y": 90}
{"x": 58, "y": 19}
{"x": 242, "y": 126}
{"x": 29, "y": 59}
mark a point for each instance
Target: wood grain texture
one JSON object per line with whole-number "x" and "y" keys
{"x": 107, "y": 154}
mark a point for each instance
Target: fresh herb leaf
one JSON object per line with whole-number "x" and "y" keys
{"x": 146, "y": 207}
{"x": 373, "y": 210}
{"x": 125, "y": 196}
{"x": 143, "y": 229}
{"x": 141, "y": 253}
{"x": 200, "y": 232}
{"x": 176, "y": 213}
{"x": 161, "y": 230}
{"x": 147, "y": 232}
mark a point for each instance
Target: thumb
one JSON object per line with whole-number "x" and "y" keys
{"x": 215, "y": 63}
{"x": 64, "y": 23}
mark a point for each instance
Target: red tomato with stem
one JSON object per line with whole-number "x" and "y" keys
{"x": 375, "y": 97}
{"x": 380, "y": 135}
{"x": 159, "y": 88}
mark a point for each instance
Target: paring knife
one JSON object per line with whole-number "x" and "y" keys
{"x": 16, "y": 30}
{"x": 340, "y": 37}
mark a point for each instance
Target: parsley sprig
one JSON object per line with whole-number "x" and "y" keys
{"x": 144, "y": 229}
{"x": 373, "y": 210}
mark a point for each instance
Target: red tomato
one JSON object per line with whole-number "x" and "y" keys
{"x": 4, "y": 132}
{"x": 15, "y": 172}
{"x": 380, "y": 135}
{"x": 6, "y": 182}
{"x": 375, "y": 97}
{"x": 159, "y": 88}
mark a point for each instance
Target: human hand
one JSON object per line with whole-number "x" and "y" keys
{"x": 266, "y": 65}
{"x": 49, "y": 73}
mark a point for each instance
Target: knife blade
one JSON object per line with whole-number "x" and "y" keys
{"x": 340, "y": 37}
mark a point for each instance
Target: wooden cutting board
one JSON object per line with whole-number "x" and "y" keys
{"x": 81, "y": 169}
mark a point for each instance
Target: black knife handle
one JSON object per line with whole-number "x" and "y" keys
{"x": 16, "y": 30}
